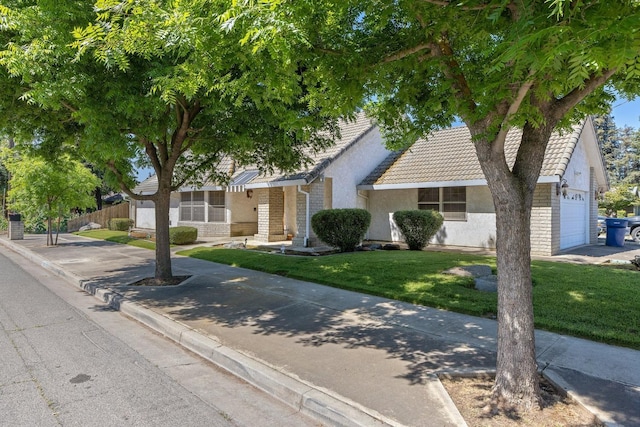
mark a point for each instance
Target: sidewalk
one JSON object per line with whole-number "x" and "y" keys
{"x": 342, "y": 357}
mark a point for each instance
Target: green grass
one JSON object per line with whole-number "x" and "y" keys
{"x": 595, "y": 302}
{"x": 118, "y": 237}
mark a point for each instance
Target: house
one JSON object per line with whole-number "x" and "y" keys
{"x": 439, "y": 172}
{"x": 277, "y": 206}
{"x": 442, "y": 172}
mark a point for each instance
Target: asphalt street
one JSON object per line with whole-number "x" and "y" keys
{"x": 67, "y": 360}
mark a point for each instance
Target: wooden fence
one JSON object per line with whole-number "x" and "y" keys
{"x": 101, "y": 217}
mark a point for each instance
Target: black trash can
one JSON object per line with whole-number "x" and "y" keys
{"x": 15, "y": 217}
{"x": 616, "y": 230}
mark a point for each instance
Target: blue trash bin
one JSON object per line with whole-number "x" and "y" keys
{"x": 616, "y": 230}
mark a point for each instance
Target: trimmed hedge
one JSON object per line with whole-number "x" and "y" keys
{"x": 183, "y": 235}
{"x": 342, "y": 228}
{"x": 418, "y": 226}
{"x": 120, "y": 224}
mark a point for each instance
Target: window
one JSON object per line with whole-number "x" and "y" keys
{"x": 192, "y": 206}
{"x": 216, "y": 206}
{"x": 451, "y": 202}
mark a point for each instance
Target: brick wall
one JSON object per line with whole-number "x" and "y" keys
{"x": 593, "y": 207}
{"x": 270, "y": 215}
{"x": 209, "y": 229}
{"x": 545, "y": 220}
{"x": 16, "y": 230}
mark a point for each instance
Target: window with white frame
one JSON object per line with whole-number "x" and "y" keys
{"x": 192, "y": 206}
{"x": 201, "y": 206}
{"x": 216, "y": 206}
{"x": 451, "y": 202}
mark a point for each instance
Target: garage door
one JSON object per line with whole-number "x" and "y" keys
{"x": 574, "y": 218}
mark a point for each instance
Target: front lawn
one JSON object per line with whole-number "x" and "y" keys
{"x": 595, "y": 302}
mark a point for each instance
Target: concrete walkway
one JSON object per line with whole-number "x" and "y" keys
{"x": 342, "y": 357}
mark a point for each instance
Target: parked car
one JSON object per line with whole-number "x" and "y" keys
{"x": 602, "y": 224}
{"x": 634, "y": 227}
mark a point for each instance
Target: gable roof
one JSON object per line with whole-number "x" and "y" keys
{"x": 351, "y": 132}
{"x": 448, "y": 158}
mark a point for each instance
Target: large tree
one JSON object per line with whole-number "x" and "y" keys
{"x": 494, "y": 64}
{"x": 49, "y": 189}
{"x": 627, "y": 161}
{"x": 620, "y": 147}
{"x": 153, "y": 82}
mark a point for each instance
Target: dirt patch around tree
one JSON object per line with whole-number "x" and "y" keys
{"x": 472, "y": 396}
{"x": 152, "y": 281}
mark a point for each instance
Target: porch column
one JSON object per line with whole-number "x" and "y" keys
{"x": 270, "y": 215}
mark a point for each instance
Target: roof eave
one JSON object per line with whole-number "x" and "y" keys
{"x": 435, "y": 184}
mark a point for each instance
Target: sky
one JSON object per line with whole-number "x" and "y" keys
{"x": 626, "y": 113}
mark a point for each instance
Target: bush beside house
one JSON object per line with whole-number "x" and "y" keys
{"x": 342, "y": 228}
{"x": 120, "y": 224}
{"x": 183, "y": 235}
{"x": 418, "y": 226}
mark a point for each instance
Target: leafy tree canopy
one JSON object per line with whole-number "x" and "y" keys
{"x": 618, "y": 199}
{"x": 40, "y": 187}
{"x": 154, "y": 83}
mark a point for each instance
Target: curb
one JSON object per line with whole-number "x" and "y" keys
{"x": 316, "y": 402}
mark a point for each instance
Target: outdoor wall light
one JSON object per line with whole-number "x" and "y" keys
{"x": 562, "y": 186}
{"x": 565, "y": 187}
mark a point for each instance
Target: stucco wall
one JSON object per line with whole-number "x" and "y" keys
{"x": 240, "y": 208}
{"x": 146, "y": 217}
{"x": 290, "y": 226}
{"x": 478, "y": 230}
{"x": 577, "y": 172}
{"x": 352, "y": 167}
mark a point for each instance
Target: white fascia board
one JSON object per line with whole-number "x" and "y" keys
{"x": 548, "y": 179}
{"x": 277, "y": 184}
{"x": 435, "y": 184}
{"x": 206, "y": 188}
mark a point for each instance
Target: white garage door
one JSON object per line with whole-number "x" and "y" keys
{"x": 574, "y": 218}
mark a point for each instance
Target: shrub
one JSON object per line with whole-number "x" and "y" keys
{"x": 418, "y": 226}
{"x": 120, "y": 224}
{"x": 342, "y": 228}
{"x": 182, "y": 235}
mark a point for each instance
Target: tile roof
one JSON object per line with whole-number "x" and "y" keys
{"x": 350, "y": 133}
{"x": 448, "y": 155}
{"x": 148, "y": 186}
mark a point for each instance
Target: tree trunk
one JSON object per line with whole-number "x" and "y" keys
{"x": 163, "y": 248}
{"x": 58, "y": 228}
{"x": 517, "y": 383}
{"x": 98, "y": 195}
{"x": 49, "y": 232}
{"x": 516, "y": 368}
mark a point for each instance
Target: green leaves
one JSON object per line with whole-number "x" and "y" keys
{"x": 41, "y": 187}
